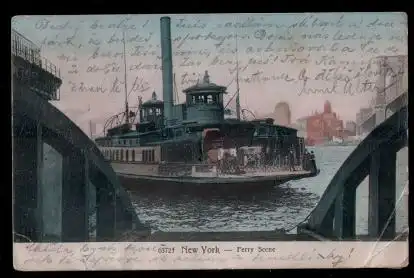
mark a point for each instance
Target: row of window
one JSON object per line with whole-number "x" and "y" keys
{"x": 124, "y": 142}
{"x": 151, "y": 112}
{"x": 206, "y": 99}
{"x": 170, "y": 133}
{"x": 130, "y": 155}
{"x": 177, "y": 133}
{"x": 266, "y": 131}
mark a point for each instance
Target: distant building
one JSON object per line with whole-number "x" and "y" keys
{"x": 282, "y": 114}
{"x": 362, "y": 116}
{"x": 301, "y": 123}
{"x": 323, "y": 126}
{"x": 350, "y": 128}
{"x": 365, "y": 111}
{"x": 302, "y": 133}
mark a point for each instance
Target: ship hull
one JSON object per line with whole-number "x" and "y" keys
{"x": 191, "y": 185}
{"x": 179, "y": 179}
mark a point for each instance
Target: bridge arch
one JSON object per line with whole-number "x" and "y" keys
{"x": 375, "y": 156}
{"x": 36, "y": 121}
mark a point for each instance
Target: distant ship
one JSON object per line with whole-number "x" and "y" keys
{"x": 192, "y": 146}
{"x": 338, "y": 141}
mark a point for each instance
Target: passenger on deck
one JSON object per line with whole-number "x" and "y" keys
{"x": 291, "y": 161}
{"x": 279, "y": 161}
{"x": 312, "y": 162}
{"x": 212, "y": 156}
{"x": 305, "y": 162}
{"x": 256, "y": 160}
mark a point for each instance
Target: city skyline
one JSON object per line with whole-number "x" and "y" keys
{"x": 310, "y": 113}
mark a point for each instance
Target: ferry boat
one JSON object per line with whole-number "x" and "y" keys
{"x": 192, "y": 145}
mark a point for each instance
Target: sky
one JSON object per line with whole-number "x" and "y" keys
{"x": 281, "y": 57}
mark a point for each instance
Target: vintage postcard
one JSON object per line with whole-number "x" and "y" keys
{"x": 210, "y": 141}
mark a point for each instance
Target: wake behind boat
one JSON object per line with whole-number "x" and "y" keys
{"x": 192, "y": 145}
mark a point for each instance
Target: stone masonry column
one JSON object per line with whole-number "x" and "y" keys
{"x": 27, "y": 168}
{"x": 106, "y": 209}
{"x": 74, "y": 197}
{"x": 344, "y": 222}
{"x": 123, "y": 217}
{"x": 326, "y": 228}
{"x": 382, "y": 190}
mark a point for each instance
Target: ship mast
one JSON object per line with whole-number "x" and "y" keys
{"x": 237, "y": 84}
{"x": 90, "y": 128}
{"x": 125, "y": 81}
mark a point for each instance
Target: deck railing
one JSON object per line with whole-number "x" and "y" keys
{"x": 31, "y": 53}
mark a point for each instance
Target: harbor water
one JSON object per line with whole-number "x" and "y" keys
{"x": 283, "y": 207}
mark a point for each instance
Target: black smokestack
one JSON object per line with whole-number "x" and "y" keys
{"x": 167, "y": 68}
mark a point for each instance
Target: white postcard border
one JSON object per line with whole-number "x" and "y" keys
{"x": 207, "y": 255}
